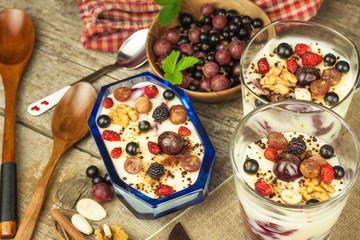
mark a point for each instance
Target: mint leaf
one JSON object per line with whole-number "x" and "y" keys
{"x": 186, "y": 62}
{"x": 170, "y": 61}
{"x": 166, "y": 2}
{"x": 174, "y": 78}
{"x": 168, "y": 13}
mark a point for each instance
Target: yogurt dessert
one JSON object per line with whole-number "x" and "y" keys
{"x": 153, "y": 145}
{"x": 296, "y": 64}
{"x": 293, "y": 177}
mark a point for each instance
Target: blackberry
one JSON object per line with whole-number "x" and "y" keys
{"x": 297, "y": 146}
{"x": 160, "y": 114}
{"x": 155, "y": 171}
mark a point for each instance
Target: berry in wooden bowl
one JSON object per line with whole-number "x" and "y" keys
{"x": 216, "y": 34}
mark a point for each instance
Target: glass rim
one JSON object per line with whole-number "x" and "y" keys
{"x": 273, "y": 24}
{"x": 249, "y": 189}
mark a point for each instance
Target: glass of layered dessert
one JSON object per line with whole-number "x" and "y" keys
{"x": 294, "y": 165}
{"x": 299, "y": 60}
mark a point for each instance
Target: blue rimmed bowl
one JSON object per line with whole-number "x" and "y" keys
{"x": 142, "y": 205}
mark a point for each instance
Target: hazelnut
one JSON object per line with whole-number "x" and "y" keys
{"x": 143, "y": 105}
{"x": 178, "y": 114}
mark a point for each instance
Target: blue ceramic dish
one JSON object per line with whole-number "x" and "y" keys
{"x": 141, "y": 205}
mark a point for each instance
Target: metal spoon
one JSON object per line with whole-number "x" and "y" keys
{"x": 17, "y": 36}
{"x": 131, "y": 55}
{"x": 68, "y": 125}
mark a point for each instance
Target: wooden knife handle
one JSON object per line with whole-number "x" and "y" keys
{"x": 8, "y": 204}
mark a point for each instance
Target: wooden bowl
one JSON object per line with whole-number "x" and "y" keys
{"x": 244, "y": 7}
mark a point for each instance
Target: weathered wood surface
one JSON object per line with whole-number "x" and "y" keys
{"x": 59, "y": 59}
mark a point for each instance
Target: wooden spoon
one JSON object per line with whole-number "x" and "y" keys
{"x": 69, "y": 124}
{"x": 17, "y": 36}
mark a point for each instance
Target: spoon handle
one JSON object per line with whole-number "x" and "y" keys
{"x": 44, "y": 104}
{"x": 31, "y": 215}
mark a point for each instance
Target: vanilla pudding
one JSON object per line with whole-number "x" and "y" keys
{"x": 174, "y": 175}
{"x": 325, "y": 72}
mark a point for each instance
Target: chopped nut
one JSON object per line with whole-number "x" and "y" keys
{"x": 117, "y": 232}
{"x": 122, "y": 114}
{"x": 278, "y": 80}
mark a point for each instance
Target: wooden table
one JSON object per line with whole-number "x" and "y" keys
{"x": 59, "y": 59}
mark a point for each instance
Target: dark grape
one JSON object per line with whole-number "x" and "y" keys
{"x": 162, "y": 47}
{"x": 219, "y": 83}
{"x": 210, "y": 69}
{"x": 236, "y": 48}
{"x": 172, "y": 35}
{"x": 207, "y": 9}
{"x": 223, "y": 56}
{"x": 306, "y": 75}
{"x": 170, "y": 142}
{"x": 219, "y": 22}
{"x": 287, "y": 167}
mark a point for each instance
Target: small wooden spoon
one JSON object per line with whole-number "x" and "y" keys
{"x": 17, "y": 36}
{"x": 69, "y": 124}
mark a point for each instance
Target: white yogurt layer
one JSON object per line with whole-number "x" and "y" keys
{"x": 252, "y": 77}
{"x": 175, "y": 176}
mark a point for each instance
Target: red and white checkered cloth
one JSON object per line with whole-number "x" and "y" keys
{"x": 107, "y": 23}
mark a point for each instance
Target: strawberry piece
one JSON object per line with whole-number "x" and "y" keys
{"x": 262, "y": 187}
{"x": 164, "y": 190}
{"x": 292, "y": 65}
{"x": 184, "y": 131}
{"x": 327, "y": 173}
{"x": 302, "y": 48}
{"x": 153, "y": 147}
{"x": 109, "y": 135}
{"x": 116, "y": 152}
{"x": 263, "y": 65}
{"x": 271, "y": 153}
{"x": 311, "y": 59}
{"x": 151, "y": 91}
{"x": 107, "y": 103}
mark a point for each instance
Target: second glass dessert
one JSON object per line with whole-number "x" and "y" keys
{"x": 299, "y": 60}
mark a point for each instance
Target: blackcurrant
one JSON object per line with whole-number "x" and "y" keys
{"x": 258, "y": 102}
{"x": 204, "y": 37}
{"x": 339, "y": 172}
{"x": 168, "y": 94}
{"x": 97, "y": 179}
{"x": 245, "y": 20}
{"x": 132, "y": 148}
{"x": 144, "y": 126}
{"x": 327, "y": 151}
{"x": 331, "y": 98}
{"x": 226, "y": 34}
{"x": 342, "y": 66}
{"x": 201, "y": 61}
{"x": 220, "y": 11}
{"x": 214, "y": 38}
{"x": 257, "y": 23}
{"x": 92, "y": 171}
{"x": 207, "y": 20}
{"x": 243, "y": 33}
{"x": 197, "y": 74}
{"x": 103, "y": 121}
{"x": 231, "y": 14}
{"x": 184, "y": 39}
{"x": 186, "y": 19}
{"x": 234, "y": 27}
{"x": 312, "y": 201}
{"x": 329, "y": 59}
{"x": 284, "y": 50}
{"x": 251, "y": 166}
{"x": 193, "y": 87}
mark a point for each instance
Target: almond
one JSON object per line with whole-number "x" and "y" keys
{"x": 91, "y": 209}
{"x": 81, "y": 224}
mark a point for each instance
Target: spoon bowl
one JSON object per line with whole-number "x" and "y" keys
{"x": 131, "y": 55}
{"x": 17, "y": 37}
{"x": 68, "y": 125}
